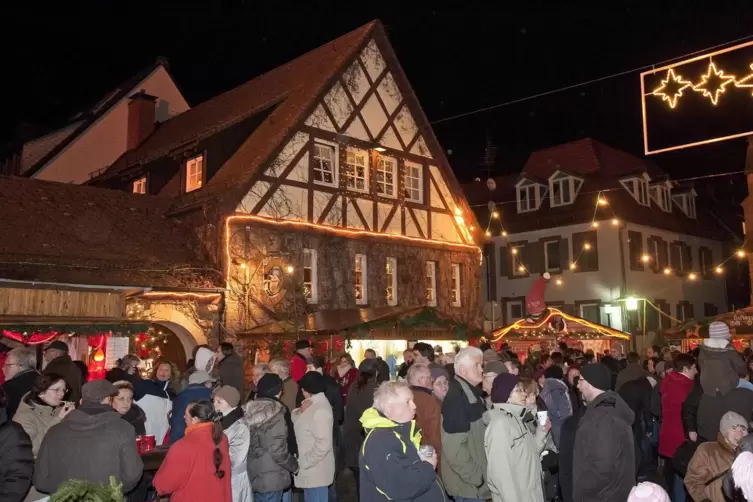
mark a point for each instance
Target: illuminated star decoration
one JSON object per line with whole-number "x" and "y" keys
{"x": 671, "y": 88}
{"x": 713, "y": 90}
{"x": 746, "y": 81}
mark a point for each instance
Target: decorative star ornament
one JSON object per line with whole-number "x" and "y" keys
{"x": 671, "y": 88}
{"x": 710, "y": 89}
{"x": 746, "y": 81}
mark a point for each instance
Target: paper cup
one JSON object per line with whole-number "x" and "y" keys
{"x": 541, "y": 415}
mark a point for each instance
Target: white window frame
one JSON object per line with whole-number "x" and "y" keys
{"x": 313, "y": 288}
{"x": 360, "y": 270}
{"x": 350, "y": 170}
{"x": 536, "y": 200}
{"x": 319, "y": 166}
{"x": 455, "y": 290}
{"x": 194, "y": 173}
{"x": 139, "y": 185}
{"x": 511, "y": 318}
{"x": 546, "y": 256}
{"x": 382, "y": 171}
{"x": 656, "y": 257}
{"x": 598, "y": 307}
{"x": 516, "y": 263}
{"x": 563, "y": 181}
{"x": 638, "y": 188}
{"x": 660, "y": 195}
{"x": 691, "y": 206}
{"x": 431, "y": 283}
{"x": 679, "y": 253}
{"x": 390, "y": 274}
{"x": 409, "y": 188}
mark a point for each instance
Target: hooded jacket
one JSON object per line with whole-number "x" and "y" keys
{"x": 36, "y": 419}
{"x": 390, "y": 468}
{"x": 557, "y": 400}
{"x": 604, "y": 456}
{"x": 513, "y": 455}
{"x": 269, "y": 462}
{"x": 92, "y": 443}
{"x": 721, "y": 367}
{"x": 63, "y": 366}
{"x": 16, "y": 460}
{"x": 153, "y": 397}
{"x": 674, "y": 390}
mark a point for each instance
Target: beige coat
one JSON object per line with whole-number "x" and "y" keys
{"x": 36, "y": 420}
{"x": 313, "y": 432}
{"x": 709, "y": 460}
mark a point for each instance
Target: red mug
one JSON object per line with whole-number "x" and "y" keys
{"x": 140, "y": 444}
{"x": 151, "y": 443}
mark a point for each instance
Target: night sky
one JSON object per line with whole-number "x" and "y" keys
{"x": 62, "y": 59}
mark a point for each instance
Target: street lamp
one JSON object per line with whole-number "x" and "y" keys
{"x": 631, "y": 303}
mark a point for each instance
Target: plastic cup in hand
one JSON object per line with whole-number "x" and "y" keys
{"x": 426, "y": 450}
{"x": 541, "y": 416}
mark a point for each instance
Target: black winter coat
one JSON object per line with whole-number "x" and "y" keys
{"x": 604, "y": 453}
{"x": 16, "y": 388}
{"x": 359, "y": 400}
{"x": 334, "y": 394}
{"x": 701, "y": 413}
{"x": 567, "y": 445}
{"x": 16, "y": 461}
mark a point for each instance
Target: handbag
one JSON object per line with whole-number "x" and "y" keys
{"x": 682, "y": 456}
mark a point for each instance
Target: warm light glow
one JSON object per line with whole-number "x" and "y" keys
{"x": 719, "y": 270}
{"x": 713, "y": 94}
{"x": 380, "y": 149}
{"x": 558, "y": 282}
{"x": 595, "y": 224}
{"x": 473, "y": 229}
{"x": 602, "y": 201}
{"x": 645, "y": 258}
{"x": 521, "y": 268}
{"x": 488, "y": 233}
{"x": 740, "y": 253}
{"x": 692, "y": 276}
{"x": 289, "y": 269}
{"x": 522, "y": 324}
{"x": 458, "y": 212}
{"x": 631, "y": 303}
{"x": 99, "y": 356}
{"x": 587, "y": 246}
{"x": 572, "y": 266}
{"x": 495, "y": 214}
{"x": 243, "y": 265}
{"x": 673, "y": 95}
{"x": 667, "y": 271}
{"x": 746, "y": 81}
{"x": 514, "y": 251}
{"x": 615, "y": 221}
{"x": 152, "y": 294}
{"x": 504, "y": 233}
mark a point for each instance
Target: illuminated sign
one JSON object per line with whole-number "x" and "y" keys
{"x": 702, "y": 100}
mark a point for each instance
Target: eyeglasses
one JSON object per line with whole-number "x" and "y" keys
{"x": 58, "y": 391}
{"x": 10, "y": 364}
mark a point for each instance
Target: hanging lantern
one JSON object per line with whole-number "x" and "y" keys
{"x": 99, "y": 355}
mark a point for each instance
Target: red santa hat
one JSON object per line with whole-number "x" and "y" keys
{"x": 535, "y": 303}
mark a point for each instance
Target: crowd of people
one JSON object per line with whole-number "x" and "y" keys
{"x": 477, "y": 425}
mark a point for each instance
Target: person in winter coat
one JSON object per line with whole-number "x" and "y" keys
{"x": 513, "y": 454}
{"x": 154, "y": 396}
{"x": 382, "y": 369}
{"x": 270, "y": 462}
{"x": 346, "y": 374}
{"x": 42, "y": 408}
{"x": 573, "y": 373}
{"x": 392, "y": 466}
{"x": 199, "y": 388}
{"x": 291, "y": 396}
{"x": 637, "y": 395}
{"x": 313, "y": 431}
{"x": 230, "y": 368}
{"x": 300, "y": 360}
{"x": 197, "y": 467}
{"x": 566, "y": 451}
{"x": 738, "y": 482}
{"x": 555, "y": 396}
{"x": 204, "y": 359}
{"x": 60, "y": 363}
{"x": 719, "y": 362}
{"x": 16, "y": 457}
{"x": 226, "y": 400}
{"x": 129, "y": 411}
{"x": 440, "y": 377}
{"x": 428, "y": 407}
{"x": 332, "y": 389}
{"x": 127, "y": 369}
{"x": 603, "y": 456}
{"x": 463, "y": 466}
{"x": 712, "y": 460}
{"x": 633, "y": 371}
{"x": 360, "y": 399}
{"x": 20, "y": 371}
{"x": 92, "y": 443}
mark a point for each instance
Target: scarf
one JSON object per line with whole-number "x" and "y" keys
{"x": 458, "y": 412}
{"x": 343, "y": 370}
{"x": 198, "y": 426}
{"x": 232, "y": 417}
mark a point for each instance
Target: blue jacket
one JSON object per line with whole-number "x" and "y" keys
{"x": 193, "y": 392}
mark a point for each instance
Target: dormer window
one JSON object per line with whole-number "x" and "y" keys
{"x": 139, "y": 185}
{"x": 661, "y": 196}
{"x": 638, "y": 188}
{"x": 194, "y": 173}
{"x": 529, "y": 195}
{"x": 686, "y": 202}
{"x": 563, "y": 189}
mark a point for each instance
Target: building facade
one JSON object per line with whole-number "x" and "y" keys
{"x": 616, "y": 234}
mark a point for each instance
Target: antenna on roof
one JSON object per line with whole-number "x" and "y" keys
{"x": 488, "y": 160}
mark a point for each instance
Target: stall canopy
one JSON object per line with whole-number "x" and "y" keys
{"x": 31, "y": 330}
{"x": 740, "y": 322}
{"x": 572, "y": 327}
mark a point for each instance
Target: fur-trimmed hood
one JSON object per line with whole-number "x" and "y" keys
{"x": 262, "y": 411}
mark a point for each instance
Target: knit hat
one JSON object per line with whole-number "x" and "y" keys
{"x": 718, "y": 329}
{"x": 597, "y": 375}
{"x": 502, "y": 387}
{"x": 199, "y": 377}
{"x": 439, "y": 371}
{"x": 204, "y": 360}
{"x": 270, "y": 385}
{"x": 302, "y": 344}
{"x": 535, "y": 303}
{"x": 648, "y": 492}
{"x": 490, "y": 355}
{"x": 497, "y": 367}
{"x": 730, "y": 420}
{"x": 313, "y": 382}
{"x": 554, "y": 371}
{"x": 229, "y": 394}
{"x": 96, "y": 390}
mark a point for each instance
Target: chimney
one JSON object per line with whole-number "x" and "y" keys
{"x": 140, "y": 118}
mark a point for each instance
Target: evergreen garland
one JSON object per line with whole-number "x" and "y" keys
{"x": 77, "y": 490}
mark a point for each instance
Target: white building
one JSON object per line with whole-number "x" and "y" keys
{"x": 648, "y": 238}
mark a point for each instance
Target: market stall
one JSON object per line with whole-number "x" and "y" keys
{"x": 691, "y": 334}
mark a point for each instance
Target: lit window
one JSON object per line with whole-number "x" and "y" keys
{"x": 386, "y": 169}
{"x": 359, "y": 279}
{"x": 455, "y": 285}
{"x": 413, "y": 182}
{"x": 356, "y": 170}
{"x": 391, "y": 279}
{"x": 194, "y": 173}
{"x": 324, "y": 164}
{"x": 309, "y": 276}
{"x": 139, "y": 185}
{"x": 431, "y": 283}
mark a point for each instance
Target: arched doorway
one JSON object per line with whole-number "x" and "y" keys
{"x": 185, "y": 329}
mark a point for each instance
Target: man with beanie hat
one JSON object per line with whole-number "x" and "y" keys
{"x": 300, "y": 359}
{"x": 719, "y": 362}
{"x": 313, "y": 429}
{"x": 271, "y": 387}
{"x": 604, "y": 455}
{"x": 513, "y": 452}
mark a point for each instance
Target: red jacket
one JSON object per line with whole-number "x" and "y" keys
{"x": 297, "y": 367}
{"x": 674, "y": 389}
{"x": 187, "y": 473}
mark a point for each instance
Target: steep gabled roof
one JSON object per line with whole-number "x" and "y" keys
{"x": 58, "y": 232}
{"x": 59, "y": 139}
